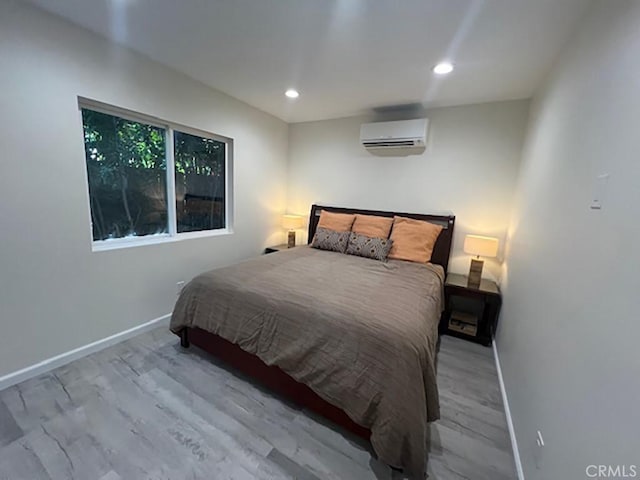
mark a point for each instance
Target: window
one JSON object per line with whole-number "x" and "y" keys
{"x": 150, "y": 180}
{"x": 127, "y": 174}
{"x": 200, "y": 179}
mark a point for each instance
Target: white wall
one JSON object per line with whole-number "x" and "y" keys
{"x": 55, "y": 294}
{"x": 568, "y": 337}
{"x": 469, "y": 168}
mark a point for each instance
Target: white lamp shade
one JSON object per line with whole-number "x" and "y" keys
{"x": 481, "y": 246}
{"x": 292, "y": 222}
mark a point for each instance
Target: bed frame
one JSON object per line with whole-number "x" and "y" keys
{"x": 278, "y": 381}
{"x": 442, "y": 248}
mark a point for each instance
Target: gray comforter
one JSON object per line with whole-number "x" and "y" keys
{"x": 361, "y": 333}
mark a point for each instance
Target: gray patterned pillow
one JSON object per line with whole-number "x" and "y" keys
{"x": 326, "y": 239}
{"x": 363, "y": 246}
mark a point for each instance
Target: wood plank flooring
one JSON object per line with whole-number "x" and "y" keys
{"x": 147, "y": 409}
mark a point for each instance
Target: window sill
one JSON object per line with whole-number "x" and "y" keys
{"x": 117, "y": 244}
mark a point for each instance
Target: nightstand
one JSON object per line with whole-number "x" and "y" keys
{"x": 276, "y": 248}
{"x": 470, "y": 313}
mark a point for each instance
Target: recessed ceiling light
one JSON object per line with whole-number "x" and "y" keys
{"x": 443, "y": 68}
{"x": 291, "y": 93}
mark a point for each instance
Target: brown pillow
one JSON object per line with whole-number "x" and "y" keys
{"x": 338, "y": 222}
{"x": 413, "y": 240}
{"x": 372, "y": 226}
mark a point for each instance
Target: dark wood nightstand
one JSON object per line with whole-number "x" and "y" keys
{"x": 470, "y": 313}
{"x": 276, "y": 248}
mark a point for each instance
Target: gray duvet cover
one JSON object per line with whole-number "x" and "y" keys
{"x": 361, "y": 333}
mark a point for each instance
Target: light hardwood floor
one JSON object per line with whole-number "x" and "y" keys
{"x": 147, "y": 409}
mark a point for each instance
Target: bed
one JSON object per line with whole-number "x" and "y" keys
{"x": 351, "y": 338}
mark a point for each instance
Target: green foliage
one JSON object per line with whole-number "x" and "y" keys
{"x": 198, "y": 155}
{"x": 199, "y": 164}
{"x": 126, "y": 166}
{"x": 127, "y": 172}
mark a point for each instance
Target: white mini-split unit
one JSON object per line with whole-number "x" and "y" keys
{"x": 401, "y": 134}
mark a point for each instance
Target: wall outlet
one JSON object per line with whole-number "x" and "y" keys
{"x": 537, "y": 454}
{"x": 599, "y": 191}
{"x": 179, "y": 287}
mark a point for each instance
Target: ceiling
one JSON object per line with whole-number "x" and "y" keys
{"x": 346, "y": 57}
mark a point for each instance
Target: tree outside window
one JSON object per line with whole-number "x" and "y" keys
{"x": 127, "y": 163}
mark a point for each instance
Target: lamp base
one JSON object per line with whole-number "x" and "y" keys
{"x": 475, "y": 273}
{"x": 291, "y": 239}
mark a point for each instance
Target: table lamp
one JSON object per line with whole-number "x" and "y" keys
{"x": 291, "y": 223}
{"x": 480, "y": 247}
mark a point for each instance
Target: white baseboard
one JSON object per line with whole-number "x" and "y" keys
{"x": 54, "y": 362}
{"x": 507, "y": 411}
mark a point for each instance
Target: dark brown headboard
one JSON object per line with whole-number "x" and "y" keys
{"x": 442, "y": 249}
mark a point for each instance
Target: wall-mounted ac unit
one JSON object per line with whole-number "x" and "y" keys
{"x": 401, "y": 134}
